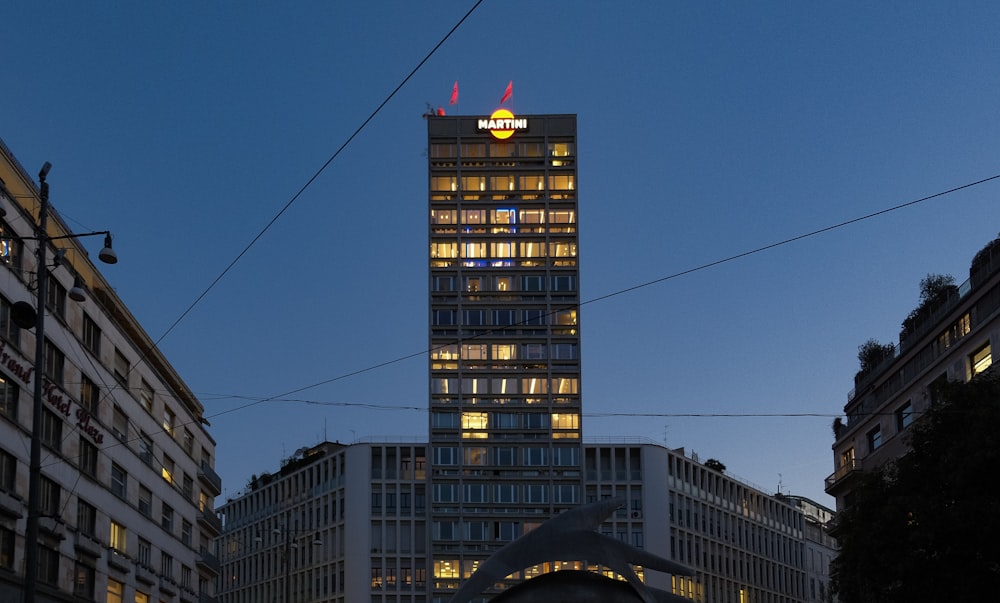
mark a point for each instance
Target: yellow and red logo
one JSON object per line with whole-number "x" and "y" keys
{"x": 502, "y": 124}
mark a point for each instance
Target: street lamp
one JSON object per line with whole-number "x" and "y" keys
{"x": 287, "y": 551}
{"x": 108, "y": 256}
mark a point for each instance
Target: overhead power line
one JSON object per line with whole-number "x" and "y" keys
{"x": 281, "y": 396}
{"x": 313, "y": 178}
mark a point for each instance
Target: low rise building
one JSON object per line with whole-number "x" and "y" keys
{"x": 343, "y": 523}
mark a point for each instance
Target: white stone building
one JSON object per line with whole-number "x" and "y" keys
{"x": 126, "y": 472}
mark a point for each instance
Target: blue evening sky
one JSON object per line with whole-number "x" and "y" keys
{"x": 706, "y": 129}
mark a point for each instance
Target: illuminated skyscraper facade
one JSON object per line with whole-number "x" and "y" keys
{"x": 505, "y": 421}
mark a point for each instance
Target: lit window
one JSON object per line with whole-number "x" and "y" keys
{"x": 443, "y": 183}
{"x": 118, "y": 537}
{"x": 847, "y": 458}
{"x": 504, "y": 385}
{"x": 446, "y": 569}
{"x": 475, "y": 385}
{"x": 504, "y": 351}
{"x": 168, "y": 469}
{"x": 11, "y": 249}
{"x": 475, "y": 420}
{"x": 531, "y": 385}
{"x": 563, "y": 182}
{"x": 445, "y": 352}
{"x": 532, "y": 183}
{"x": 444, "y": 386}
{"x": 562, "y": 216}
{"x": 565, "y": 421}
{"x": 981, "y": 359}
{"x": 444, "y": 250}
{"x": 560, "y": 149}
{"x": 115, "y": 591}
{"x": 473, "y": 250}
{"x": 502, "y": 183}
{"x": 533, "y": 249}
{"x": 503, "y": 249}
{"x": 442, "y": 216}
{"x": 562, "y": 249}
{"x": 473, "y": 183}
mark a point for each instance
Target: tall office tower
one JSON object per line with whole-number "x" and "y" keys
{"x": 504, "y": 333}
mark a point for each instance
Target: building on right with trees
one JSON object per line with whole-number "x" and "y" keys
{"x": 949, "y": 336}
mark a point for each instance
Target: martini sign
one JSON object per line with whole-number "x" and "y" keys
{"x": 502, "y": 124}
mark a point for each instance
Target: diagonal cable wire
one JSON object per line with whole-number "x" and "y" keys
{"x": 316, "y": 175}
{"x": 599, "y": 298}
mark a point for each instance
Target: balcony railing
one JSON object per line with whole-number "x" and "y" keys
{"x": 88, "y": 545}
{"x": 848, "y": 469}
{"x": 119, "y": 560}
{"x": 209, "y": 561}
{"x": 210, "y": 477}
{"x": 209, "y": 519}
{"x": 144, "y": 573}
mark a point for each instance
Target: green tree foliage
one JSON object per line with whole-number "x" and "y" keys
{"x": 927, "y": 527}
{"x": 872, "y": 352}
{"x": 935, "y": 291}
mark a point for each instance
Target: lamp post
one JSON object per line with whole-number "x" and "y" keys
{"x": 107, "y": 255}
